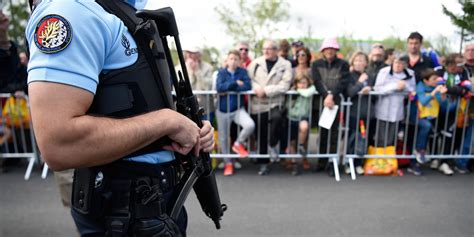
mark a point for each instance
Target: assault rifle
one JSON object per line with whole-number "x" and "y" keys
{"x": 198, "y": 173}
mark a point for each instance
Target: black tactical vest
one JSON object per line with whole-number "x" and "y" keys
{"x": 142, "y": 87}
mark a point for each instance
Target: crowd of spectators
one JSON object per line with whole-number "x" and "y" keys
{"x": 415, "y": 96}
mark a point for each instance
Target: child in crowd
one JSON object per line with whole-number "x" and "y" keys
{"x": 298, "y": 113}
{"x": 231, "y": 108}
{"x": 450, "y": 122}
{"x": 431, "y": 94}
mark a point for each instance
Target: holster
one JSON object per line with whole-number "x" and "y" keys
{"x": 90, "y": 191}
{"x": 129, "y": 197}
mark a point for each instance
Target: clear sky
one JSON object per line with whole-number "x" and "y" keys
{"x": 363, "y": 19}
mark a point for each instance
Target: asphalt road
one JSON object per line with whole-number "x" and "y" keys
{"x": 278, "y": 205}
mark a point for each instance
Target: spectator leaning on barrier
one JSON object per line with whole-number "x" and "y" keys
{"x": 298, "y": 113}
{"x": 454, "y": 75}
{"x": 362, "y": 109}
{"x": 245, "y": 59}
{"x": 376, "y": 60}
{"x": 271, "y": 79}
{"x": 231, "y": 108}
{"x": 389, "y": 108}
{"x": 468, "y": 146}
{"x": 330, "y": 76}
{"x": 431, "y": 95}
{"x": 415, "y": 59}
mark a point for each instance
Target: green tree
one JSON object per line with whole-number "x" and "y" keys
{"x": 394, "y": 42}
{"x": 464, "y": 21}
{"x": 441, "y": 44}
{"x": 253, "y": 22}
{"x": 19, "y": 15}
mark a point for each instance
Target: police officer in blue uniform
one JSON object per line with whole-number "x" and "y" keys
{"x": 96, "y": 107}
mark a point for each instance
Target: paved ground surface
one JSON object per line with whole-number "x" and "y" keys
{"x": 279, "y": 205}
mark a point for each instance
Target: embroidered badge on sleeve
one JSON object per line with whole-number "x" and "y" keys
{"x": 53, "y": 33}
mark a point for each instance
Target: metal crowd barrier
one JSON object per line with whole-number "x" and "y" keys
{"x": 440, "y": 144}
{"x": 332, "y": 139}
{"x": 17, "y": 139}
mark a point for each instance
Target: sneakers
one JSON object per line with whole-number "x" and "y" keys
{"x": 400, "y": 172}
{"x": 447, "y": 134}
{"x": 302, "y": 150}
{"x": 461, "y": 170}
{"x": 221, "y": 165}
{"x": 330, "y": 169}
{"x": 415, "y": 170}
{"x": 228, "y": 169}
{"x": 358, "y": 169}
{"x": 240, "y": 149}
{"x": 264, "y": 170}
{"x": 445, "y": 169}
{"x": 296, "y": 170}
{"x": 237, "y": 165}
{"x": 420, "y": 156}
{"x": 434, "y": 164}
{"x": 274, "y": 154}
{"x": 306, "y": 164}
{"x": 347, "y": 169}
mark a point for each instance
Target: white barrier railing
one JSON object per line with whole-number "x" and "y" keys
{"x": 18, "y": 140}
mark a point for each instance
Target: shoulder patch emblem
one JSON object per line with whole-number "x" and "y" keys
{"x": 53, "y": 33}
{"x": 126, "y": 44}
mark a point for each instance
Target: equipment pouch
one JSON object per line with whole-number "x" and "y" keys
{"x": 90, "y": 191}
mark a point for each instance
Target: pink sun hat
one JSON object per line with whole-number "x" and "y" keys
{"x": 329, "y": 43}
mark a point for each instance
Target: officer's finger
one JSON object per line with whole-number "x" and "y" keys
{"x": 206, "y": 128}
{"x": 183, "y": 150}
{"x": 168, "y": 148}
{"x": 197, "y": 147}
{"x": 208, "y": 147}
{"x": 207, "y": 137}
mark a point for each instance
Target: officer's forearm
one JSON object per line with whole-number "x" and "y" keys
{"x": 85, "y": 141}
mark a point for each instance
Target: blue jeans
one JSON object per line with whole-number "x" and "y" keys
{"x": 424, "y": 128}
{"x": 466, "y": 146}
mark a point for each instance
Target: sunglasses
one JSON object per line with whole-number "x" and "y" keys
{"x": 301, "y": 55}
{"x": 377, "y": 46}
{"x": 244, "y": 49}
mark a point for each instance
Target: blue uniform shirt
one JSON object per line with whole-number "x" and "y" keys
{"x": 72, "y": 42}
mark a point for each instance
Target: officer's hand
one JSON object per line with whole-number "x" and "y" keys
{"x": 207, "y": 137}
{"x": 185, "y": 136}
